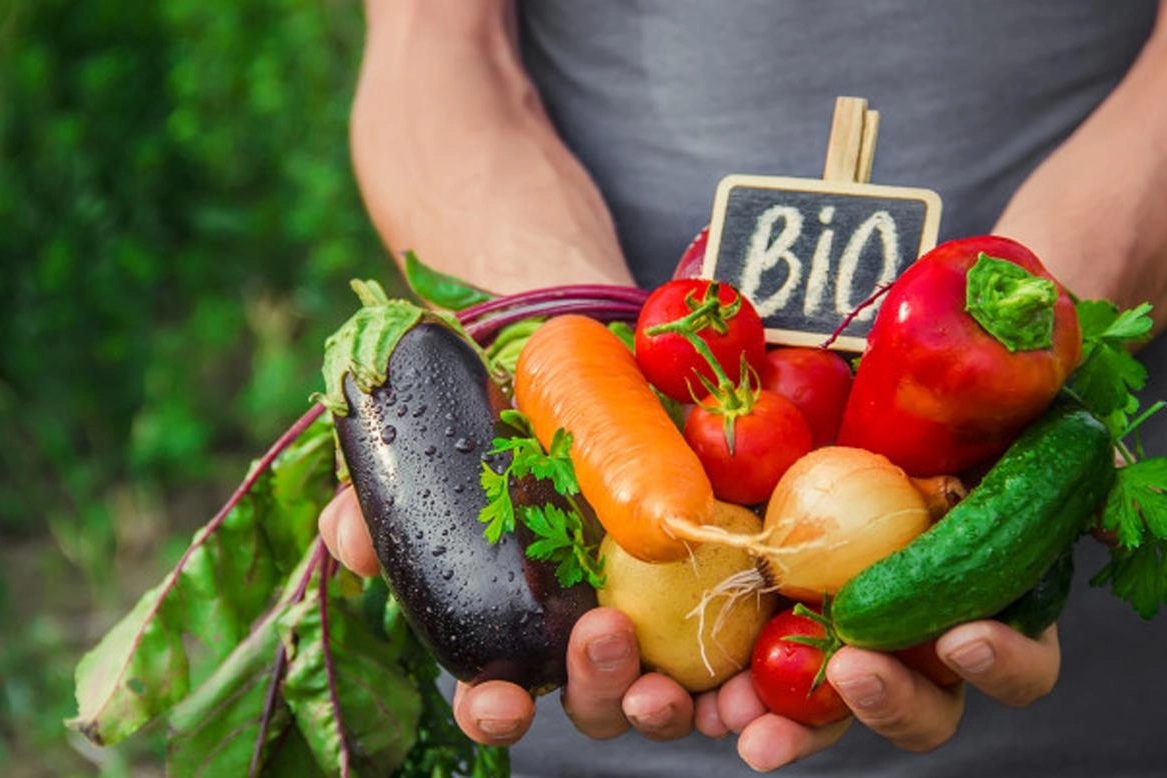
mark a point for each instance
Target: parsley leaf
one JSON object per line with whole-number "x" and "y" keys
{"x": 1108, "y": 374}
{"x": 1135, "y": 514}
{"x": 1137, "y": 576}
{"x": 563, "y": 536}
{"x": 498, "y": 514}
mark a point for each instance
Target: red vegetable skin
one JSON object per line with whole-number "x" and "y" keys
{"x": 816, "y": 380}
{"x": 693, "y": 257}
{"x": 784, "y": 672}
{"x": 767, "y": 440}
{"x": 935, "y": 392}
{"x": 671, "y": 363}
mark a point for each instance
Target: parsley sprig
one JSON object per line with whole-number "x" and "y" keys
{"x": 1107, "y": 382}
{"x": 563, "y": 534}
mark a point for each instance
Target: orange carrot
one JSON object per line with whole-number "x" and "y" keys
{"x": 633, "y": 466}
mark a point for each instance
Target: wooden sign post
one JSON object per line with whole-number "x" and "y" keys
{"x": 808, "y": 252}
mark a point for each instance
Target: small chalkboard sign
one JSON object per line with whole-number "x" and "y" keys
{"x": 809, "y": 252}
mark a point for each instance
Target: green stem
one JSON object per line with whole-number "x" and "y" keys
{"x": 828, "y": 644}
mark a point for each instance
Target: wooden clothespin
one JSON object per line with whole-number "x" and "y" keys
{"x": 851, "y": 146}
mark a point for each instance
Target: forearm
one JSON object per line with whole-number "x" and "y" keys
{"x": 1096, "y": 210}
{"x": 457, "y": 160}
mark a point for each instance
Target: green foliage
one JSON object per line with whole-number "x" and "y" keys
{"x": 178, "y": 225}
{"x": 181, "y": 222}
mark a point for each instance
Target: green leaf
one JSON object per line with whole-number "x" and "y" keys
{"x": 290, "y": 755}
{"x": 560, "y": 535}
{"x": 498, "y": 514}
{"x": 137, "y": 671}
{"x": 1136, "y": 508}
{"x": 142, "y": 667}
{"x": 441, "y": 289}
{"x": 214, "y": 730}
{"x": 376, "y": 710}
{"x": 1106, "y": 379}
{"x": 1138, "y": 577}
{"x": 302, "y": 478}
{"x": 504, "y": 350}
{"x": 1102, "y": 320}
{"x": 556, "y": 465}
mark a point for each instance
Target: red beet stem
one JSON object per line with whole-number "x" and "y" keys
{"x": 599, "y": 292}
{"x": 483, "y": 330}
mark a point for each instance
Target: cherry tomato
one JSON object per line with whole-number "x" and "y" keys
{"x": 923, "y": 658}
{"x": 767, "y": 440}
{"x": 693, "y": 257}
{"x": 816, "y": 380}
{"x": 784, "y": 672}
{"x": 670, "y": 362}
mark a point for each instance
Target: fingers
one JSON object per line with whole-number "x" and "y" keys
{"x": 606, "y": 694}
{"x": 737, "y": 702}
{"x": 659, "y": 707}
{"x": 494, "y": 713}
{"x": 706, "y": 718}
{"x": 602, "y": 664}
{"x": 1001, "y": 662}
{"x": 345, "y": 533}
{"x": 769, "y": 741}
{"x": 895, "y": 702}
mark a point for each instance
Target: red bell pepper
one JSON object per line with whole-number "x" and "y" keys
{"x": 970, "y": 345}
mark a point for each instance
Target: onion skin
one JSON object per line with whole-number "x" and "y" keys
{"x": 835, "y": 512}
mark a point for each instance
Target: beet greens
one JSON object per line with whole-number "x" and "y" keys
{"x": 259, "y": 653}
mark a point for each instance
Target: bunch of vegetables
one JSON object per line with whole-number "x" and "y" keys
{"x": 521, "y": 459}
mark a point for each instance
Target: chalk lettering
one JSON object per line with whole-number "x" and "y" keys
{"x": 820, "y": 265}
{"x": 764, "y": 254}
{"x": 884, "y": 224}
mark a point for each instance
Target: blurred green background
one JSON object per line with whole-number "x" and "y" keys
{"x": 178, "y": 225}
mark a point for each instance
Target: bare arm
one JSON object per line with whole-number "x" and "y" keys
{"x": 1096, "y": 209}
{"x": 457, "y": 160}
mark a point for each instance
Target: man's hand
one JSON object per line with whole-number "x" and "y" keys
{"x": 606, "y": 693}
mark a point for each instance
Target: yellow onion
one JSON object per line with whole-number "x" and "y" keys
{"x": 836, "y": 511}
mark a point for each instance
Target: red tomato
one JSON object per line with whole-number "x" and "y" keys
{"x": 768, "y": 439}
{"x": 784, "y": 671}
{"x": 923, "y": 659}
{"x": 693, "y": 258}
{"x": 670, "y": 362}
{"x": 816, "y": 380}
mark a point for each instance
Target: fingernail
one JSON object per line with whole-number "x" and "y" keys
{"x": 975, "y": 657}
{"x": 608, "y": 653}
{"x": 864, "y": 692}
{"x": 652, "y": 720}
{"x": 498, "y": 728}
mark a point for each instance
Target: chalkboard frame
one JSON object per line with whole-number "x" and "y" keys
{"x": 929, "y": 232}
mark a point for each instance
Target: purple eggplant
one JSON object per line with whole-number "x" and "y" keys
{"x": 414, "y": 438}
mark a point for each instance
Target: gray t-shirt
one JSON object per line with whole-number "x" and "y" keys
{"x": 661, "y": 98}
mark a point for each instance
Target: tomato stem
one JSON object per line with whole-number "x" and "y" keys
{"x": 828, "y": 644}
{"x": 731, "y": 401}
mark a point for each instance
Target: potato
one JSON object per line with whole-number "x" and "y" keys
{"x": 661, "y": 600}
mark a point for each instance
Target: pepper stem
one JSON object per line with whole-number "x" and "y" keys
{"x": 1013, "y": 305}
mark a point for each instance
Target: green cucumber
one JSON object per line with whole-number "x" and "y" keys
{"x": 991, "y": 548}
{"x": 1039, "y": 607}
